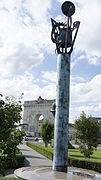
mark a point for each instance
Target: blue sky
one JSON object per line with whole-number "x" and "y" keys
{"x": 28, "y": 62}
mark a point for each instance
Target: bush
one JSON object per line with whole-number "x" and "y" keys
{"x": 47, "y": 152}
{"x": 18, "y": 163}
{"x": 95, "y": 166}
{"x": 10, "y": 136}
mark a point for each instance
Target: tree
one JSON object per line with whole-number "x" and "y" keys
{"x": 87, "y": 130}
{"x": 47, "y": 132}
{"x": 10, "y": 136}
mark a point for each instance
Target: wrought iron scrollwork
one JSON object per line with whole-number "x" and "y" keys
{"x": 59, "y": 33}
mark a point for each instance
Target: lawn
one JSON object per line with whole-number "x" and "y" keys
{"x": 75, "y": 153}
{"x": 9, "y": 178}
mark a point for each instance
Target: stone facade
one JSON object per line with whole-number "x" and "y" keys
{"x": 33, "y": 113}
{"x": 71, "y": 132}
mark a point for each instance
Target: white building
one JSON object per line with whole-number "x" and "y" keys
{"x": 35, "y": 113}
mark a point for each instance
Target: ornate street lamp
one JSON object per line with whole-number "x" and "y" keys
{"x": 62, "y": 36}
{"x": 62, "y": 33}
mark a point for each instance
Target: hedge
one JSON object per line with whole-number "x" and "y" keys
{"x": 85, "y": 164}
{"x": 19, "y": 162}
{"x": 95, "y": 166}
{"x": 41, "y": 149}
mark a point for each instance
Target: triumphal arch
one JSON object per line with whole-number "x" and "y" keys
{"x": 35, "y": 113}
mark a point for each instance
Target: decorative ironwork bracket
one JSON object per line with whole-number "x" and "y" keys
{"x": 61, "y": 35}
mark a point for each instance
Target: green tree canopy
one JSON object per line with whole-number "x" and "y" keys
{"x": 10, "y": 136}
{"x": 86, "y": 133}
{"x": 47, "y": 132}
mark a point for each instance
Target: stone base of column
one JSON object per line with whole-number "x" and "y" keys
{"x": 60, "y": 168}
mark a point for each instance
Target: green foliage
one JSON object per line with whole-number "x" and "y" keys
{"x": 19, "y": 161}
{"x": 45, "y": 151}
{"x": 47, "y": 132}
{"x": 87, "y": 130}
{"x": 76, "y": 154}
{"x": 10, "y": 136}
{"x": 95, "y": 166}
{"x": 9, "y": 178}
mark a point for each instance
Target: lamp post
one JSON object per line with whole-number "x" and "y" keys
{"x": 62, "y": 36}
{"x": 53, "y": 109}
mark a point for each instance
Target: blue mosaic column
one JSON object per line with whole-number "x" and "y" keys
{"x": 60, "y": 159}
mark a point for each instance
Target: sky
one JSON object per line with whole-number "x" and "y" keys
{"x": 28, "y": 63}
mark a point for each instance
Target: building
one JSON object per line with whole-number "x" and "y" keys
{"x": 36, "y": 112}
{"x": 71, "y": 132}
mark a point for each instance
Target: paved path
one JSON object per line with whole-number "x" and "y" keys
{"x": 33, "y": 162}
{"x": 33, "y": 158}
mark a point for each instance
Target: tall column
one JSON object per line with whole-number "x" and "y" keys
{"x": 60, "y": 158}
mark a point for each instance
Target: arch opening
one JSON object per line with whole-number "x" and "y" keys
{"x": 38, "y": 120}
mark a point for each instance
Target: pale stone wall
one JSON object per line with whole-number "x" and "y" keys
{"x": 71, "y": 131}
{"x": 32, "y": 112}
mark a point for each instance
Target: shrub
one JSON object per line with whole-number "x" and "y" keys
{"x": 18, "y": 163}
{"x": 47, "y": 152}
{"x": 95, "y": 166}
{"x": 10, "y": 136}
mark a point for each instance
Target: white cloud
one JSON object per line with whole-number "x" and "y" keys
{"x": 18, "y": 59}
{"x": 49, "y": 76}
{"x": 92, "y": 109}
{"x": 87, "y": 91}
{"x": 49, "y": 91}
{"x": 77, "y": 79}
{"x": 38, "y": 9}
{"x": 24, "y": 35}
{"x": 28, "y": 85}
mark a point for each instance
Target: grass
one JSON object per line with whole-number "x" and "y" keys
{"x": 75, "y": 153}
{"x": 9, "y": 178}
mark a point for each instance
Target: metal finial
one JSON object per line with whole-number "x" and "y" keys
{"x": 68, "y": 8}
{"x": 62, "y": 33}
